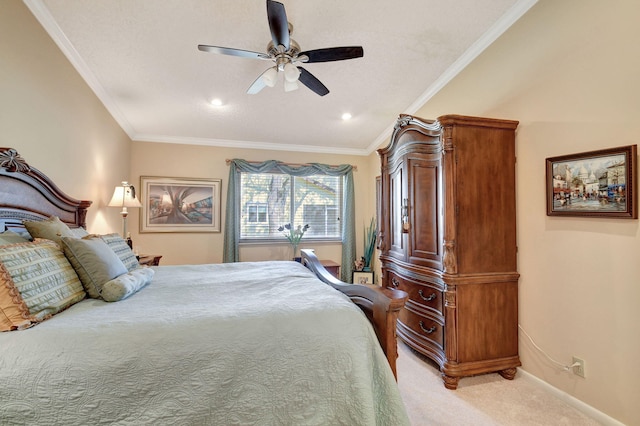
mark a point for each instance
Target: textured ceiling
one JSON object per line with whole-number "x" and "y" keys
{"x": 141, "y": 59}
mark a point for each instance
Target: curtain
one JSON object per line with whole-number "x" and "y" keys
{"x": 232, "y": 225}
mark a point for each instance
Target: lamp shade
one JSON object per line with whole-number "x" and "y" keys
{"x": 124, "y": 196}
{"x": 291, "y": 72}
{"x": 290, "y": 85}
{"x": 270, "y": 77}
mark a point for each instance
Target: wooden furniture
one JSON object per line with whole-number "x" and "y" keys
{"x": 380, "y": 305}
{"x": 448, "y": 238}
{"x": 150, "y": 259}
{"x": 332, "y": 267}
{"x": 26, "y": 193}
{"x": 23, "y": 188}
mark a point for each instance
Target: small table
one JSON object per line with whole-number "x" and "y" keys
{"x": 149, "y": 259}
{"x": 332, "y": 267}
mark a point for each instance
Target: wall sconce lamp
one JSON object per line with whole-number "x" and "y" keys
{"x": 124, "y": 196}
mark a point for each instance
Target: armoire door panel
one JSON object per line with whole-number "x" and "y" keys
{"x": 425, "y": 247}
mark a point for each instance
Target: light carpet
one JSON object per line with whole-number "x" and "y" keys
{"x": 483, "y": 400}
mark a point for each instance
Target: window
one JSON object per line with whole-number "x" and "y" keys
{"x": 270, "y": 200}
{"x": 257, "y": 212}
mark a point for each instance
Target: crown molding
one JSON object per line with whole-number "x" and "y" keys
{"x": 268, "y": 146}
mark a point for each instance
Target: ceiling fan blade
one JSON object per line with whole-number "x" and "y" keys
{"x": 232, "y": 52}
{"x": 278, "y": 23}
{"x": 257, "y": 85}
{"x": 333, "y": 54}
{"x": 312, "y": 82}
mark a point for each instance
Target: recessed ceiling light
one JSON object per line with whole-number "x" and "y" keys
{"x": 216, "y": 102}
{"x": 346, "y": 116}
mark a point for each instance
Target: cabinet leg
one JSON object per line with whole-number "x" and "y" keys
{"x": 509, "y": 373}
{"x": 450, "y": 382}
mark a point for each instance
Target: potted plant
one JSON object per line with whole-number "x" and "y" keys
{"x": 369, "y": 244}
{"x": 294, "y": 235}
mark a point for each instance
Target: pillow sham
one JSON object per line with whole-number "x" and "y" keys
{"x": 126, "y": 284}
{"x": 44, "y": 278}
{"x": 122, "y": 250}
{"x": 94, "y": 262}
{"x": 78, "y": 232}
{"x": 10, "y": 237}
{"x": 51, "y": 229}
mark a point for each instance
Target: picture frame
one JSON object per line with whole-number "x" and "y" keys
{"x": 362, "y": 277}
{"x": 174, "y": 204}
{"x": 593, "y": 184}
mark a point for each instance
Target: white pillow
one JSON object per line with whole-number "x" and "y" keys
{"x": 126, "y": 284}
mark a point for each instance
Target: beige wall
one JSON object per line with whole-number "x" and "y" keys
{"x": 54, "y": 120}
{"x": 568, "y": 71}
{"x": 160, "y": 159}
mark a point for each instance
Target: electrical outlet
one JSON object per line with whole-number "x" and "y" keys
{"x": 578, "y": 370}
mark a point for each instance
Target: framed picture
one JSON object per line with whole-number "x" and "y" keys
{"x": 360, "y": 277}
{"x": 593, "y": 184}
{"x": 179, "y": 204}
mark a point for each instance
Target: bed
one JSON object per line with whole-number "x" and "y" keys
{"x": 198, "y": 344}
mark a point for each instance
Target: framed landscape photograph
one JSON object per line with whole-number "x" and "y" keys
{"x": 172, "y": 204}
{"x": 593, "y": 184}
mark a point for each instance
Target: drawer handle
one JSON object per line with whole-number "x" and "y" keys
{"x": 429, "y": 298}
{"x": 427, "y": 330}
{"x": 395, "y": 282}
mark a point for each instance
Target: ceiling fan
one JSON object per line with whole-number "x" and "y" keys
{"x": 286, "y": 55}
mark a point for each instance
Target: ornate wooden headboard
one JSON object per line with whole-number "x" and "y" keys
{"x": 27, "y": 194}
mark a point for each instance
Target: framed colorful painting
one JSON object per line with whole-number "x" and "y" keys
{"x": 593, "y": 184}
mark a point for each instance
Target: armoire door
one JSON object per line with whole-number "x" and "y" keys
{"x": 424, "y": 188}
{"x": 397, "y": 213}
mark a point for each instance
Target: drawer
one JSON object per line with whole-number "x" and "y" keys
{"x": 426, "y": 329}
{"x": 426, "y": 296}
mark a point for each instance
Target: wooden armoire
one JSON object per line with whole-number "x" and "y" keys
{"x": 447, "y": 237}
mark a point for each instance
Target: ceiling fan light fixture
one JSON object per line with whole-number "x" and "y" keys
{"x": 270, "y": 77}
{"x": 291, "y": 72}
{"x": 290, "y": 86}
{"x": 286, "y": 53}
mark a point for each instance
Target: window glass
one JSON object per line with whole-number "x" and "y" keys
{"x": 271, "y": 200}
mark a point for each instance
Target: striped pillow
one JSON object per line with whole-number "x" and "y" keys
{"x": 43, "y": 276}
{"x": 122, "y": 249}
{"x": 10, "y": 237}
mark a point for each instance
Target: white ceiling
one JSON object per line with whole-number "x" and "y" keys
{"x": 141, "y": 59}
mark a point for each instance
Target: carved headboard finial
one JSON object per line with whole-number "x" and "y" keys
{"x": 12, "y": 161}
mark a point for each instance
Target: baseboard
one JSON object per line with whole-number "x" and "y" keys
{"x": 583, "y": 407}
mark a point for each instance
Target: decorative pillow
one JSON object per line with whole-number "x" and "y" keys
{"x": 10, "y": 237}
{"x": 126, "y": 284}
{"x": 42, "y": 275}
{"x": 14, "y": 314}
{"x": 122, "y": 250}
{"x": 94, "y": 261}
{"x": 51, "y": 229}
{"x": 78, "y": 232}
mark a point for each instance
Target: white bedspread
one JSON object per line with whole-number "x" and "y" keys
{"x": 203, "y": 345}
